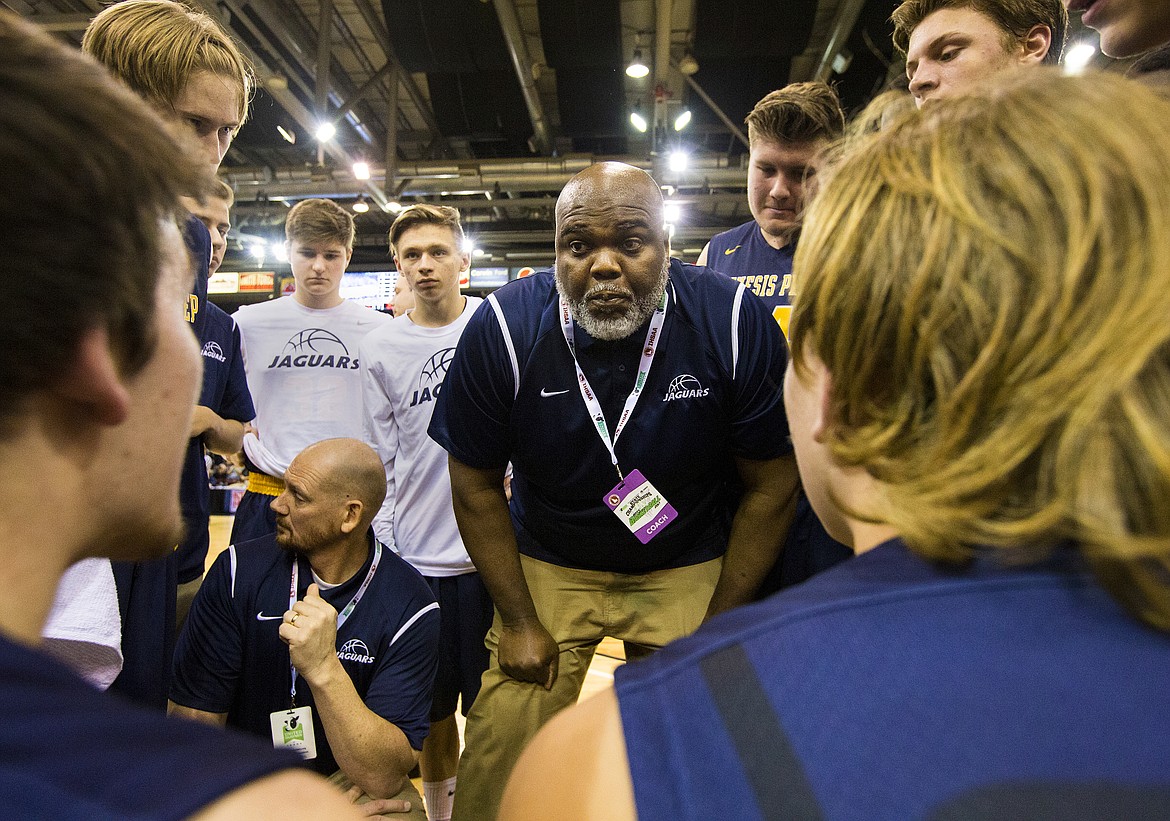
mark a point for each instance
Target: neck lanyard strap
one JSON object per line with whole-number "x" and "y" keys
{"x": 592, "y": 405}
{"x": 343, "y": 616}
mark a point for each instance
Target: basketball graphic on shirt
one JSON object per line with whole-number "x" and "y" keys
{"x": 435, "y": 369}
{"x": 315, "y": 340}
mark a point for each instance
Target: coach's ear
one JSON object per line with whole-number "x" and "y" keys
{"x": 92, "y": 382}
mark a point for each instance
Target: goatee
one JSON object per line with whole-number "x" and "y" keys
{"x": 613, "y": 327}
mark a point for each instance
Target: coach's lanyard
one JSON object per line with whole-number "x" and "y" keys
{"x": 590, "y": 397}
{"x": 345, "y": 612}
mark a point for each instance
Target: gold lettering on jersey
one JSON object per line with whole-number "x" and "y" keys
{"x": 760, "y": 284}
{"x": 191, "y": 309}
{"x": 786, "y": 288}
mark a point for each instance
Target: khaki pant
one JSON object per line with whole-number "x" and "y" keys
{"x": 578, "y": 608}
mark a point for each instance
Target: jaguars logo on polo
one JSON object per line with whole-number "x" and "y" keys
{"x": 430, "y": 379}
{"x": 315, "y": 348}
{"x": 685, "y": 386}
{"x": 212, "y": 350}
{"x": 355, "y": 650}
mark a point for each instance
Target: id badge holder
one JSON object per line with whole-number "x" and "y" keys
{"x": 292, "y": 729}
{"x": 640, "y": 506}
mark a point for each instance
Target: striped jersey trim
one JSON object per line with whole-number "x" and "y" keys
{"x": 412, "y": 620}
{"x": 735, "y": 308}
{"x": 508, "y": 342}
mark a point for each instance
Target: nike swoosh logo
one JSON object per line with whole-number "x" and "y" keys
{"x": 261, "y": 617}
{"x": 730, "y": 251}
{"x": 545, "y": 392}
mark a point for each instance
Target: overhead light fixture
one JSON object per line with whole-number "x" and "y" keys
{"x": 258, "y": 251}
{"x": 280, "y": 251}
{"x": 688, "y": 65}
{"x": 361, "y": 206}
{"x": 679, "y": 160}
{"x": 671, "y": 212}
{"x": 392, "y": 207}
{"x": 637, "y": 69}
{"x": 1078, "y": 57}
{"x": 637, "y": 120}
{"x": 682, "y": 120}
{"x": 289, "y": 135}
{"x": 842, "y": 61}
{"x": 361, "y": 170}
{"x": 326, "y": 131}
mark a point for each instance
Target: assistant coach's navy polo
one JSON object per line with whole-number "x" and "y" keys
{"x": 713, "y": 393}
{"x": 231, "y": 659}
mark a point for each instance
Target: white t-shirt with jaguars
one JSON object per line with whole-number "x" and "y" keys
{"x": 403, "y": 367}
{"x": 302, "y": 366}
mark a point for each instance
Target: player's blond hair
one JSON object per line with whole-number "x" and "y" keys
{"x": 988, "y": 283}
{"x": 156, "y": 46}
{"x": 425, "y": 214}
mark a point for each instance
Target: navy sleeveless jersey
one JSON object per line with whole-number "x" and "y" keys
{"x": 890, "y": 688}
{"x": 744, "y": 255}
{"x": 225, "y": 391}
{"x": 147, "y": 590}
{"x": 713, "y": 393}
{"x": 230, "y": 658}
{"x": 68, "y": 751}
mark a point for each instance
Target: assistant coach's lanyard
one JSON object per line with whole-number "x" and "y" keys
{"x": 345, "y": 612}
{"x": 587, "y": 393}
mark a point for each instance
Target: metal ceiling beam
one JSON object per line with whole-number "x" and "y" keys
{"x": 62, "y": 22}
{"x": 374, "y": 22}
{"x": 662, "y": 43}
{"x": 847, "y": 13}
{"x": 522, "y": 62}
{"x": 324, "y": 56}
{"x": 714, "y": 106}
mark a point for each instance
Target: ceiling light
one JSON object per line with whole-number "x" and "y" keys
{"x": 1078, "y": 57}
{"x": 679, "y": 161}
{"x": 637, "y": 69}
{"x": 326, "y": 131}
{"x": 682, "y": 120}
{"x": 671, "y": 212}
{"x": 688, "y": 65}
{"x": 392, "y": 207}
{"x": 280, "y": 252}
{"x": 637, "y": 120}
{"x": 361, "y": 206}
{"x": 361, "y": 170}
{"x": 842, "y": 61}
{"x": 258, "y": 251}
{"x": 289, "y": 135}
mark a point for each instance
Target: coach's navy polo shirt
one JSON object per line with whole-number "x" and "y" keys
{"x": 230, "y": 657}
{"x": 225, "y": 391}
{"x": 713, "y": 393}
